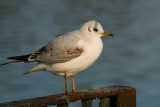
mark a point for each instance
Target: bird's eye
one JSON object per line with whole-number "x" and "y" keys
{"x": 95, "y": 29}
{"x": 89, "y": 29}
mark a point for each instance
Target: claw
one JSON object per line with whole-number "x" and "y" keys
{"x": 76, "y": 92}
{"x": 69, "y": 93}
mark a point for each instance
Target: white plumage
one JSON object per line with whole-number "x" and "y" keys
{"x": 69, "y": 53}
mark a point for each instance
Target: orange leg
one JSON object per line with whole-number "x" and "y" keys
{"x": 66, "y": 84}
{"x": 73, "y": 85}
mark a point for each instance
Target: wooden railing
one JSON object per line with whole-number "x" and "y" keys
{"x": 112, "y": 96}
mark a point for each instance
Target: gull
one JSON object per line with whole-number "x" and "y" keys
{"x": 67, "y": 54}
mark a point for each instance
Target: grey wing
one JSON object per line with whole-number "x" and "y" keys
{"x": 61, "y": 49}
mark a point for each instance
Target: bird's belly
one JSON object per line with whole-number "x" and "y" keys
{"x": 85, "y": 60}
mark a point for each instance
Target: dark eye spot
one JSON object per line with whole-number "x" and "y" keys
{"x": 89, "y": 29}
{"x": 95, "y": 29}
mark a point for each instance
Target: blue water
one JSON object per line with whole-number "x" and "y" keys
{"x": 129, "y": 58}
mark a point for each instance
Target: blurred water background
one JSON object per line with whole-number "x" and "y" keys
{"x": 130, "y": 58}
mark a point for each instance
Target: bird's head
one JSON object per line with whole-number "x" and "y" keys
{"x": 94, "y": 28}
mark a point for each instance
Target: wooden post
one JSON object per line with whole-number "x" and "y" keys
{"x": 114, "y": 96}
{"x": 63, "y": 105}
{"x": 87, "y": 103}
{"x": 104, "y": 102}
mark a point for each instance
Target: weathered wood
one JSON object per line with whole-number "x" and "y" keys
{"x": 43, "y": 106}
{"x": 114, "y": 103}
{"x": 63, "y": 105}
{"x": 120, "y": 95}
{"x": 87, "y": 103}
{"x": 104, "y": 102}
{"x": 127, "y": 98}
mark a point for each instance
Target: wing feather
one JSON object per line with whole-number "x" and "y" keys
{"x": 61, "y": 49}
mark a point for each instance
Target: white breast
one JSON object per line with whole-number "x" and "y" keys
{"x": 92, "y": 50}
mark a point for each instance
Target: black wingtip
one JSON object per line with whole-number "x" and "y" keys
{"x": 3, "y": 64}
{"x": 14, "y": 62}
{"x": 20, "y": 58}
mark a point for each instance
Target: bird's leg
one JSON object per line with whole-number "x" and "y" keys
{"x": 66, "y": 83}
{"x": 73, "y": 86}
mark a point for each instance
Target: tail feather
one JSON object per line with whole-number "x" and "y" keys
{"x": 20, "y": 58}
{"x": 14, "y": 62}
